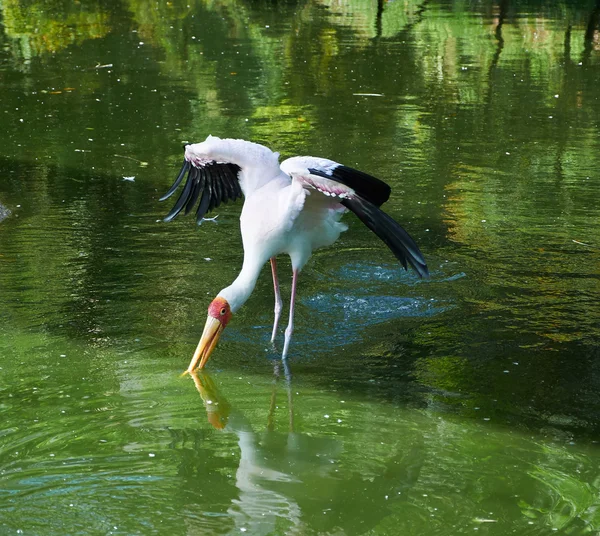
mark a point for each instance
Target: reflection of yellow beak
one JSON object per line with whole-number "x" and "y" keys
{"x": 210, "y": 336}
{"x": 217, "y": 407}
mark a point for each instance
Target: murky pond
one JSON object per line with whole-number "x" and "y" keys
{"x": 468, "y": 403}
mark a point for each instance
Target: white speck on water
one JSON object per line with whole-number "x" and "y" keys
{"x": 326, "y": 416}
{"x": 243, "y": 529}
{"x": 207, "y": 259}
{"x": 483, "y": 221}
{"x": 549, "y": 117}
{"x": 506, "y": 372}
{"x": 129, "y": 179}
{"x": 486, "y": 418}
{"x": 151, "y": 454}
{"x": 556, "y": 96}
{"x": 63, "y": 355}
{"x": 339, "y": 420}
{"x": 507, "y": 153}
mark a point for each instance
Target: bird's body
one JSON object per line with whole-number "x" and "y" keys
{"x": 292, "y": 208}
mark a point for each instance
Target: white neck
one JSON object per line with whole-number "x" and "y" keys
{"x": 239, "y": 291}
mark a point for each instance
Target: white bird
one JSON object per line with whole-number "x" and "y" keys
{"x": 291, "y": 208}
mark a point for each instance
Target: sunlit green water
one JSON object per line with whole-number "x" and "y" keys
{"x": 463, "y": 404}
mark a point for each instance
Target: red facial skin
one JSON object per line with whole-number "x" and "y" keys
{"x": 219, "y": 309}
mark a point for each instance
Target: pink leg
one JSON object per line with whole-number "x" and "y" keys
{"x": 290, "y": 327}
{"x": 278, "y": 302}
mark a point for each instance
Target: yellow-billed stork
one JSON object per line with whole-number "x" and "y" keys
{"x": 293, "y": 207}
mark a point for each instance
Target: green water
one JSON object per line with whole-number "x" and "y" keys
{"x": 466, "y": 404}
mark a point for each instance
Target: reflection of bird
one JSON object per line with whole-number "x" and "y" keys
{"x": 284, "y": 475}
{"x": 259, "y": 505}
{"x": 290, "y": 208}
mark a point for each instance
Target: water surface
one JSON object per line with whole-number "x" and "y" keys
{"x": 463, "y": 404}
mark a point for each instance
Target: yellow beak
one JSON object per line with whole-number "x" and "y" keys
{"x": 208, "y": 341}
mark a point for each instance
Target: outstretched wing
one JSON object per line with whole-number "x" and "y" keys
{"x": 219, "y": 170}
{"x": 363, "y": 194}
{"x": 209, "y": 181}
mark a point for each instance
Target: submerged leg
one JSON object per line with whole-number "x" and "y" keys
{"x": 290, "y": 327}
{"x": 278, "y": 302}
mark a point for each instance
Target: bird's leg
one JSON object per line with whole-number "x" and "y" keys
{"x": 278, "y": 302}
{"x": 290, "y": 327}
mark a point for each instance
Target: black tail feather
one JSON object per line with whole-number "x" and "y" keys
{"x": 391, "y": 232}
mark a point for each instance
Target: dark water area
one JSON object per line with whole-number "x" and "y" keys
{"x": 466, "y": 403}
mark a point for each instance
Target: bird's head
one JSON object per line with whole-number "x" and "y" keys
{"x": 219, "y": 314}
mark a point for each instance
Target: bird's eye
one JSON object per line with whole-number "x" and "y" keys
{"x": 223, "y": 311}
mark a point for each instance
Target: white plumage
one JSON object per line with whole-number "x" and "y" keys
{"x": 292, "y": 208}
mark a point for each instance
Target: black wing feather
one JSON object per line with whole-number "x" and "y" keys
{"x": 196, "y": 190}
{"x": 390, "y": 231}
{"x": 183, "y": 198}
{"x": 213, "y": 183}
{"x": 184, "y": 168}
{"x": 210, "y": 188}
{"x": 217, "y": 185}
{"x": 228, "y": 190}
{"x": 233, "y": 171}
{"x": 366, "y": 186}
{"x": 203, "y": 206}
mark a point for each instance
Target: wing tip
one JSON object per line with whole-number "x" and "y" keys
{"x": 395, "y": 237}
{"x": 184, "y": 169}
